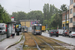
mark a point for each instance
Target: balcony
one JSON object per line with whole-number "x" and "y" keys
{"x": 73, "y": 23}
{"x": 74, "y": 5}
{"x": 74, "y": 14}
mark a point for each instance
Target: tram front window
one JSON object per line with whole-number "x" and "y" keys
{"x": 25, "y": 28}
{"x": 38, "y": 28}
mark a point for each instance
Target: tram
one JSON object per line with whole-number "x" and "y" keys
{"x": 37, "y": 29}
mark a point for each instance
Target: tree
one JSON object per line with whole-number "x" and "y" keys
{"x": 46, "y": 11}
{"x": 38, "y": 15}
{"x": 52, "y": 17}
{"x": 19, "y": 15}
{"x": 4, "y": 16}
{"x": 63, "y": 7}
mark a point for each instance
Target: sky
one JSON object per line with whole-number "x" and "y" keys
{"x": 30, "y": 5}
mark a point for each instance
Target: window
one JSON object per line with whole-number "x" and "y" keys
{"x": 67, "y": 16}
{"x": 71, "y": 1}
{"x": 1, "y": 28}
{"x": 70, "y": 20}
{"x": 70, "y": 11}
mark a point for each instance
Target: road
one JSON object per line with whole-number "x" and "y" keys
{"x": 61, "y": 38}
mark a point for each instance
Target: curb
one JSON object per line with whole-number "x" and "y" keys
{"x": 13, "y": 43}
{"x": 24, "y": 40}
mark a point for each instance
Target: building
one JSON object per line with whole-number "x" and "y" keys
{"x": 72, "y": 15}
{"x": 65, "y": 19}
{"x": 28, "y": 23}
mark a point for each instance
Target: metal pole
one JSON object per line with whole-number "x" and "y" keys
{"x": 66, "y": 19}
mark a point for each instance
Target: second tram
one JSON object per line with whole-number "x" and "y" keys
{"x": 26, "y": 29}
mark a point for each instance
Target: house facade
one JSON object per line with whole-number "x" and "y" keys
{"x": 72, "y": 15}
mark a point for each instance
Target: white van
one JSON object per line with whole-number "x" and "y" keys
{"x": 3, "y": 28}
{"x": 60, "y": 31}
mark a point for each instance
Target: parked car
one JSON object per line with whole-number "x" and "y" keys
{"x": 53, "y": 32}
{"x": 72, "y": 34}
{"x": 65, "y": 33}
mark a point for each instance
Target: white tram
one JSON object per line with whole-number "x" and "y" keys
{"x": 37, "y": 29}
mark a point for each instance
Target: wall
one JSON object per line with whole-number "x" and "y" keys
{"x": 2, "y": 37}
{"x": 28, "y": 23}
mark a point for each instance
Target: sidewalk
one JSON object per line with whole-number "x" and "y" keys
{"x": 45, "y": 32}
{"x": 18, "y": 46}
{"x": 9, "y": 41}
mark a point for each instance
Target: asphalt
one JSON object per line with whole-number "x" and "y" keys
{"x": 9, "y": 41}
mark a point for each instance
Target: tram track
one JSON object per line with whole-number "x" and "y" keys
{"x": 62, "y": 44}
{"x": 29, "y": 43}
{"x": 36, "y": 43}
{"x": 40, "y": 45}
{"x": 46, "y": 43}
{"x": 52, "y": 46}
{"x": 43, "y": 43}
{"x": 57, "y": 43}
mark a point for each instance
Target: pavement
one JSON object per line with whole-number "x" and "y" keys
{"x": 46, "y": 31}
{"x": 18, "y": 46}
{"x": 9, "y": 41}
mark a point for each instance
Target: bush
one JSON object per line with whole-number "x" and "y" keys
{"x": 47, "y": 29}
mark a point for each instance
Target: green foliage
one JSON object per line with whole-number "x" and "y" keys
{"x": 63, "y": 7}
{"x": 47, "y": 29}
{"x": 4, "y": 16}
{"x": 19, "y": 15}
{"x": 28, "y": 16}
{"x": 51, "y": 16}
{"x": 46, "y": 11}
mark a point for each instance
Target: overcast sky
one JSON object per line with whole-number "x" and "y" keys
{"x": 29, "y": 5}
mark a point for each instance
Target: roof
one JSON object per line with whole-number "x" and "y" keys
{"x": 65, "y": 11}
